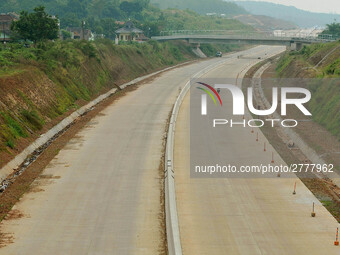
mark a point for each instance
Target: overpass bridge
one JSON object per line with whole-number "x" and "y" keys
{"x": 293, "y": 40}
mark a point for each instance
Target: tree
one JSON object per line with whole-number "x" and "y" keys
{"x": 70, "y": 20}
{"x": 77, "y": 7}
{"x": 332, "y": 29}
{"x": 131, "y": 7}
{"x": 66, "y": 34}
{"x": 152, "y": 28}
{"x": 109, "y": 27}
{"x": 36, "y": 26}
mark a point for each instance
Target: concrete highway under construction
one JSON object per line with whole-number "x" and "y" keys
{"x": 105, "y": 191}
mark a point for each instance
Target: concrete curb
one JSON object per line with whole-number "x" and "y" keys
{"x": 171, "y": 216}
{"x": 43, "y": 139}
{"x": 309, "y": 152}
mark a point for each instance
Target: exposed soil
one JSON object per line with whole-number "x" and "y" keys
{"x": 35, "y": 96}
{"x": 163, "y": 249}
{"x": 315, "y": 136}
{"x": 5, "y": 239}
{"x": 8, "y": 154}
{"x": 9, "y": 86}
{"x": 23, "y": 183}
{"x": 14, "y": 214}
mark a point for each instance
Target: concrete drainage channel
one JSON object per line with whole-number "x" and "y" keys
{"x": 172, "y": 225}
{"x": 289, "y": 135}
{"x": 20, "y": 163}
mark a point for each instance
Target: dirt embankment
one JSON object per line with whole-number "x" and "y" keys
{"x": 314, "y": 62}
{"x": 38, "y": 91}
{"x": 322, "y": 131}
{"x": 317, "y": 135}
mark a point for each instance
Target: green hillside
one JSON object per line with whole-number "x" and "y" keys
{"x": 230, "y": 9}
{"x": 38, "y": 85}
{"x": 202, "y": 6}
{"x": 265, "y": 23}
{"x": 100, "y": 15}
{"x": 318, "y": 61}
{"x": 174, "y": 19}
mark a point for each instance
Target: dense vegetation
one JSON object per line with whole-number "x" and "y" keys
{"x": 227, "y": 9}
{"x": 318, "y": 61}
{"x": 101, "y": 15}
{"x": 332, "y": 29}
{"x": 310, "y": 56}
{"x": 173, "y": 19}
{"x": 40, "y": 83}
{"x": 202, "y": 6}
{"x": 36, "y": 26}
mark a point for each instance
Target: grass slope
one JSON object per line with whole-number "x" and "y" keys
{"x": 189, "y": 20}
{"x": 202, "y": 6}
{"x": 322, "y": 62}
{"x": 40, "y": 85}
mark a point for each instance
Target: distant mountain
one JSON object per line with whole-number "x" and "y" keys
{"x": 302, "y": 18}
{"x": 230, "y": 9}
{"x": 202, "y": 6}
{"x": 265, "y": 23}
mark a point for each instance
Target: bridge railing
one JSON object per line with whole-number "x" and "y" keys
{"x": 284, "y": 35}
{"x": 200, "y": 32}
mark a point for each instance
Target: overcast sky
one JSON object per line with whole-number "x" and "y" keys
{"x": 327, "y": 6}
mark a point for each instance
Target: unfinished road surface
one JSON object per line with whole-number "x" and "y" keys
{"x": 101, "y": 194}
{"x": 247, "y": 216}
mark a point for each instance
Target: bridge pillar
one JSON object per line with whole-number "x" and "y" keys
{"x": 298, "y": 46}
{"x": 295, "y": 46}
{"x": 292, "y": 46}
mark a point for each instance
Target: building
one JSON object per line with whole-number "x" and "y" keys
{"x": 130, "y": 33}
{"x": 117, "y": 22}
{"x": 6, "y": 20}
{"x": 77, "y": 33}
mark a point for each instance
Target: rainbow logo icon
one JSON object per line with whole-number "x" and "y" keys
{"x": 209, "y": 93}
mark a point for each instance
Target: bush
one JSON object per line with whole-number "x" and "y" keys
{"x": 14, "y": 127}
{"x": 4, "y": 61}
{"x": 88, "y": 49}
{"x": 33, "y": 118}
{"x": 175, "y": 52}
{"x": 208, "y": 50}
{"x": 10, "y": 143}
{"x": 155, "y": 45}
{"x": 334, "y": 68}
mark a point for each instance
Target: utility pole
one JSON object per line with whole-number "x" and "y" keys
{"x": 3, "y": 30}
{"x": 82, "y": 29}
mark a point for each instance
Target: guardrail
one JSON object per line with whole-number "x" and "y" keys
{"x": 172, "y": 226}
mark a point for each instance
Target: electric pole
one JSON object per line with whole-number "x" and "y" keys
{"x": 82, "y": 30}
